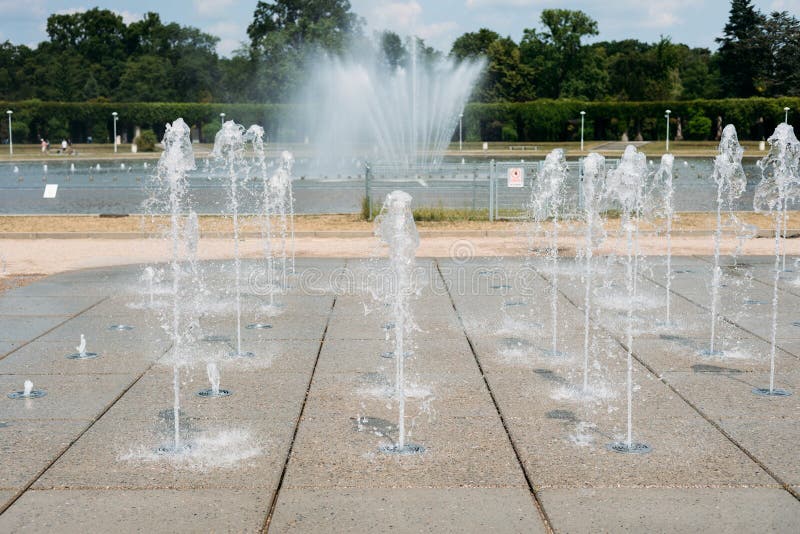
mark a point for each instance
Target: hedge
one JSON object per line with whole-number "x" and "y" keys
{"x": 540, "y": 120}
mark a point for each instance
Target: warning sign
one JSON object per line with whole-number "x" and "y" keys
{"x": 516, "y": 177}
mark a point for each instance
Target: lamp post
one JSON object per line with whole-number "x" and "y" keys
{"x": 667, "y": 116}
{"x": 221, "y": 120}
{"x": 583, "y": 116}
{"x": 10, "y": 136}
{"x": 460, "y": 122}
{"x": 115, "y": 115}
{"x": 786, "y": 113}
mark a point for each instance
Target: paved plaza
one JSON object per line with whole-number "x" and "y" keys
{"x": 509, "y": 445}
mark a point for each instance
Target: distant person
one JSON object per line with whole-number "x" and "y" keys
{"x": 64, "y": 145}
{"x": 44, "y": 146}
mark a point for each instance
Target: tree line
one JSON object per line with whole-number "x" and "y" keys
{"x": 94, "y": 56}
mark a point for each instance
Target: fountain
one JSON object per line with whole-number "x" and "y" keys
{"x": 402, "y": 116}
{"x": 213, "y": 378}
{"x": 731, "y": 182}
{"x": 395, "y": 227}
{"x": 27, "y": 392}
{"x": 255, "y": 134}
{"x": 82, "y": 354}
{"x": 625, "y": 186}
{"x": 779, "y": 186}
{"x": 547, "y": 198}
{"x": 176, "y": 160}
{"x": 659, "y": 199}
{"x": 594, "y": 173}
{"x": 229, "y": 151}
{"x": 283, "y": 206}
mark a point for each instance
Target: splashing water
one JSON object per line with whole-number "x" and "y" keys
{"x": 780, "y": 184}
{"x": 731, "y": 182}
{"x": 283, "y": 207}
{"x": 27, "y": 388}
{"x": 659, "y": 200}
{"x": 625, "y": 186}
{"x": 176, "y": 160}
{"x": 213, "y": 377}
{"x": 395, "y": 227}
{"x": 547, "y": 199}
{"x": 403, "y": 116}
{"x": 594, "y": 174}
{"x": 82, "y": 347}
{"x": 229, "y": 153}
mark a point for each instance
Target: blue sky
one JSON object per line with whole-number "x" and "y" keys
{"x": 439, "y": 22}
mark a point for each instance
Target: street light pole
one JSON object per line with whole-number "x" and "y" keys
{"x": 786, "y": 112}
{"x": 460, "y": 122}
{"x": 10, "y": 135}
{"x": 583, "y": 116}
{"x": 115, "y": 114}
{"x": 667, "y": 116}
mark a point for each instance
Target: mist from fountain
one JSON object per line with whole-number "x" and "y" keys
{"x": 779, "y": 185}
{"x": 362, "y": 108}
{"x": 731, "y": 182}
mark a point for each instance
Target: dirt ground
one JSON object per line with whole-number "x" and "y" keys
{"x": 684, "y": 222}
{"x": 26, "y": 257}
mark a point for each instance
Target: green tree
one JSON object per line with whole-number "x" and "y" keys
{"x": 392, "y": 50}
{"x": 507, "y": 79}
{"x": 556, "y": 54}
{"x": 473, "y": 45}
{"x": 285, "y": 34}
{"x": 743, "y": 54}
{"x": 783, "y": 75}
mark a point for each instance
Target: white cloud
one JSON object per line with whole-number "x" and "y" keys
{"x": 230, "y": 36}
{"x": 437, "y": 30}
{"x": 127, "y": 16}
{"x": 792, "y": 6}
{"x": 210, "y": 8}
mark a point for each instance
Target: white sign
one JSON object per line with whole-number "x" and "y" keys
{"x": 50, "y": 191}
{"x": 516, "y": 177}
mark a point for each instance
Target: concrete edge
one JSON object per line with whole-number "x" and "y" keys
{"x": 339, "y": 234}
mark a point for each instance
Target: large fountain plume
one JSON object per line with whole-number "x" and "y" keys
{"x": 405, "y": 116}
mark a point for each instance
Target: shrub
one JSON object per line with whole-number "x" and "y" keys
{"x": 146, "y": 141}
{"x": 698, "y": 128}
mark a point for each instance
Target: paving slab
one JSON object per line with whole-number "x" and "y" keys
{"x": 255, "y": 395}
{"x": 123, "y": 356}
{"x": 29, "y": 446}
{"x": 730, "y": 395}
{"x": 333, "y": 451}
{"x": 200, "y": 510}
{"x": 430, "y": 355}
{"x": 773, "y": 441}
{"x": 25, "y": 328}
{"x": 10, "y": 305}
{"x": 120, "y": 453}
{"x": 75, "y": 397}
{"x": 6, "y": 496}
{"x": 672, "y": 510}
{"x": 451, "y": 510}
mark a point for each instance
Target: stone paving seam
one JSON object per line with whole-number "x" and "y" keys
{"x": 79, "y": 436}
{"x": 789, "y": 489}
{"x": 725, "y": 318}
{"x": 534, "y": 495}
{"x": 71, "y": 317}
{"x": 274, "y": 503}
